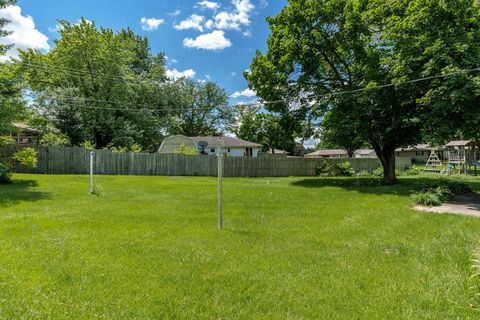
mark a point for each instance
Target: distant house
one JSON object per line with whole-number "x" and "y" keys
{"x": 24, "y": 134}
{"x": 365, "y": 154}
{"x": 209, "y": 145}
{"x": 417, "y": 154}
{"x": 328, "y": 153}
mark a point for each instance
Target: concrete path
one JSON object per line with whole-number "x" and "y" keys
{"x": 465, "y": 204}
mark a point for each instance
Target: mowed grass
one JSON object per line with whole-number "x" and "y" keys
{"x": 293, "y": 248}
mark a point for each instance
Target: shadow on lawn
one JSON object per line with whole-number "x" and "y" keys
{"x": 405, "y": 186}
{"x": 20, "y": 191}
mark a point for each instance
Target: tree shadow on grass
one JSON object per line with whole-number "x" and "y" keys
{"x": 405, "y": 186}
{"x": 20, "y": 191}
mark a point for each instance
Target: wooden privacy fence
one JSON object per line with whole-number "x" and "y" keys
{"x": 67, "y": 160}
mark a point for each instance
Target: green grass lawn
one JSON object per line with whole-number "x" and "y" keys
{"x": 293, "y": 248}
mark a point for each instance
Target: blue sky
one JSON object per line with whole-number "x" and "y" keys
{"x": 205, "y": 40}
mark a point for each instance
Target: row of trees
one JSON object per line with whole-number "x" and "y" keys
{"x": 317, "y": 47}
{"x": 105, "y": 89}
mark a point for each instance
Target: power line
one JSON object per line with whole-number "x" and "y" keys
{"x": 263, "y": 103}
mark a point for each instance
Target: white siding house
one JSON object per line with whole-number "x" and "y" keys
{"x": 232, "y": 147}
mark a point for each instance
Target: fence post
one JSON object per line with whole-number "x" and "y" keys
{"x": 91, "y": 171}
{"x": 220, "y": 176}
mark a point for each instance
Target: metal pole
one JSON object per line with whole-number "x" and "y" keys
{"x": 91, "y": 171}
{"x": 220, "y": 175}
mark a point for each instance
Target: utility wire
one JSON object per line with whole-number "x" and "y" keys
{"x": 311, "y": 98}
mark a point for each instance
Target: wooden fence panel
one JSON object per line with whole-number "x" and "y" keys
{"x": 66, "y": 160}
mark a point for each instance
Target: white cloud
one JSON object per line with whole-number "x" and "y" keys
{"x": 175, "y": 13}
{"x": 208, "y": 77}
{"x": 211, "y": 41}
{"x": 247, "y": 34}
{"x": 24, "y": 34}
{"x": 233, "y": 73}
{"x": 247, "y": 93}
{"x": 208, "y": 5}
{"x": 192, "y": 22}
{"x": 209, "y": 24}
{"x": 175, "y": 74}
{"x": 240, "y": 16}
{"x": 55, "y": 29}
{"x": 150, "y": 24}
{"x": 263, "y": 4}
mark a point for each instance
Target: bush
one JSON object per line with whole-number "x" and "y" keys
{"x": 6, "y": 140}
{"x": 412, "y": 171}
{"x": 186, "y": 150}
{"x": 458, "y": 187}
{"x": 426, "y": 199}
{"x": 364, "y": 173}
{"x": 5, "y": 173}
{"x": 345, "y": 169}
{"x": 324, "y": 170}
{"x": 444, "y": 191}
{"x": 26, "y": 157}
{"x": 378, "y": 172}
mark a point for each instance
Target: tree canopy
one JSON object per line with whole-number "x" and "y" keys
{"x": 97, "y": 85}
{"x": 320, "y": 47}
{"x": 198, "y": 108}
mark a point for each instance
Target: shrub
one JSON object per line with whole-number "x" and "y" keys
{"x": 378, "y": 172}
{"x": 136, "y": 148}
{"x": 87, "y": 145}
{"x": 458, "y": 187}
{"x": 412, "y": 171}
{"x": 5, "y": 173}
{"x": 324, "y": 170}
{"x": 26, "y": 157}
{"x": 426, "y": 199}
{"x": 364, "y": 173}
{"x": 344, "y": 169}
{"x": 5, "y": 141}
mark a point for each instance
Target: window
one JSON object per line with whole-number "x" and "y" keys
{"x": 212, "y": 150}
{"x": 397, "y": 154}
{"x": 228, "y": 150}
{"x": 419, "y": 153}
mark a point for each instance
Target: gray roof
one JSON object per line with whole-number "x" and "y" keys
{"x": 364, "y": 152}
{"x": 460, "y": 143}
{"x": 418, "y": 147}
{"x": 24, "y": 127}
{"x": 327, "y": 152}
{"x": 223, "y": 141}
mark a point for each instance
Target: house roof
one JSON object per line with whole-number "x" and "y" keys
{"x": 24, "y": 127}
{"x": 225, "y": 142}
{"x": 460, "y": 143}
{"x": 418, "y": 147}
{"x": 364, "y": 152}
{"x": 327, "y": 152}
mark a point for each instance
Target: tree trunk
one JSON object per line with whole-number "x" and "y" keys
{"x": 386, "y": 154}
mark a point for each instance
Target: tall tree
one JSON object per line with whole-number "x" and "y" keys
{"x": 319, "y": 47}
{"x": 267, "y": 129}
{"x": 198, "y": 108}
{"x": 11, "y": 103}
{"x": 99, "y": 86}
{"x": 3, "y": 23}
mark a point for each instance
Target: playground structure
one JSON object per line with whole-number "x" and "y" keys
{"x": 462, "y": 153}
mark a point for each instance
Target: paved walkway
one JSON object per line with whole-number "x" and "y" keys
{"x": 466, "y": 204}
